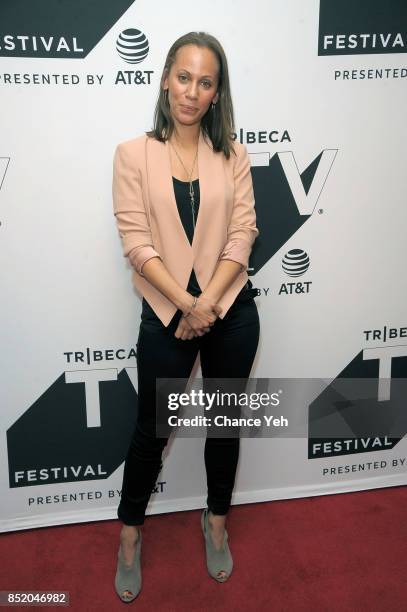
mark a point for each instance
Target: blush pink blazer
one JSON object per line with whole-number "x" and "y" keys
{"x": 149, "y": 224}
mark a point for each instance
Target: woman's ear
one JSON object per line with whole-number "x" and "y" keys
{"x": 216, "y": 98}
{"x": 164, "y": 81}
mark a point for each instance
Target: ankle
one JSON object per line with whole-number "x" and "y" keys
{"x": 129, "y": 533}
{"x": 216, "y": 521}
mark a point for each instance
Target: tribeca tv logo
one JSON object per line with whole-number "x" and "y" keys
{"x": 285, "y": 199}
{"x": 363, "y": 409}
{"x": 79, "y": 429}
{"x": 56, "y": 29}
{"x": 362, "y": 27}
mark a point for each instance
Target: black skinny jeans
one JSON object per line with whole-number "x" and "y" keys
{"x": 226, "y": 351}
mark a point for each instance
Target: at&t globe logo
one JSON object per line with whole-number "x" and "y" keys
{"x": 295, "y": 262}
{"x": 132, "y": 46}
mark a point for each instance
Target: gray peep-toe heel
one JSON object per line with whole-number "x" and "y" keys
{"x": 216, "y": 560}
{"x": 129, "y": 578}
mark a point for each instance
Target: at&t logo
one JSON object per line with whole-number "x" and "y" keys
{"x": 132, "y": 46}
{"x": 295, "y": 263}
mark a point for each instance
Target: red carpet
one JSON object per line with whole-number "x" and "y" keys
{"x": 345, "y": 552}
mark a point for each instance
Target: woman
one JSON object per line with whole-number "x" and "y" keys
{"x": 184, "y": 205}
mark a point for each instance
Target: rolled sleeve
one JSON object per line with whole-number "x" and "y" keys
{"x": 129, "y": 210}
{"x": 242, "y": 230}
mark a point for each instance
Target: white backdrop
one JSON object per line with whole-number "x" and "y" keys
{"x": 67, "y": 288}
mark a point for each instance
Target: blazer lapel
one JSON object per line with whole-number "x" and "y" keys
{"x": 161, "y": 191}
{"x": 210, "y": 168}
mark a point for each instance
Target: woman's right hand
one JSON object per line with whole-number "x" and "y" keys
{"x": 203, "y": 315}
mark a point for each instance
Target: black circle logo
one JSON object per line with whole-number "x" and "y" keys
{"x": 132, "y": 46}
{"x": 295, "y": 262}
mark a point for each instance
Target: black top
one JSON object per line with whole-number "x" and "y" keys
{"x": 183, "y": 199}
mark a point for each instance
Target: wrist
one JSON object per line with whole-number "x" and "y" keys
{"x": 185, "y": 302}
{"x": 211, "y": 297}
{"x": 191, "y": 308}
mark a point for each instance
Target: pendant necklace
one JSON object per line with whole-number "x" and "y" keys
{"x": 191, "y": 187}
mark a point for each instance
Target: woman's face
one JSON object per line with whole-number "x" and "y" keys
{"x": 192, "y": 84}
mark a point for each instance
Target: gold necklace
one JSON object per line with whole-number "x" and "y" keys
{"x": 191, "y": 187}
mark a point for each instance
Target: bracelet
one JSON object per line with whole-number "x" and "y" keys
{"x": 191, "y": 309}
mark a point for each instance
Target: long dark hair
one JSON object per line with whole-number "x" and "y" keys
{"x": 218, "y": 121}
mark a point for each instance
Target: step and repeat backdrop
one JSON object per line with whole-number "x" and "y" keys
{"x": 319, "y": 90}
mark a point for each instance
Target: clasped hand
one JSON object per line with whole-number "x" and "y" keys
{"x": 200, "y": 319}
